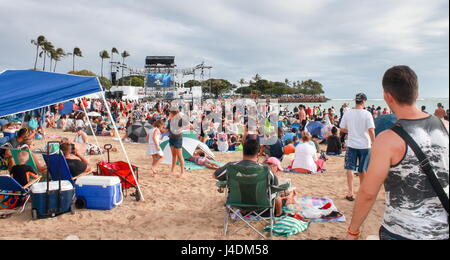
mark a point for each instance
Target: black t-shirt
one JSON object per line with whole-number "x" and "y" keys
{"x": 19, "y": 173}
{"x": 276, "y": 150}
{"x": 334, "y": 145}
{"x": 76, "y": 167}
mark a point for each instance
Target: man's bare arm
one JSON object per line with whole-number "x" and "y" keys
{"x": 380, "y": 163}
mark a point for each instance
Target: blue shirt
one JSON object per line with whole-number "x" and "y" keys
{"x": 288, "y": 136}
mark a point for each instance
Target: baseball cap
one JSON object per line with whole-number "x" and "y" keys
{"x": 273, "y": 160}
{"x": 361, "y": 97}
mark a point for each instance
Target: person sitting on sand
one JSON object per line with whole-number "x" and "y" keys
{"x": 23, "y": 173}
{"x": 78, "y": 164}
{"x": 334, "y": 147}
{"x": 233, "y": 142}
{"x": 222, "y": 142}
{"x": 250, "y": 159}
{"x": 306, "y": 157}
{"x": 101, "y": 128}
{"x": 200, "y": 158}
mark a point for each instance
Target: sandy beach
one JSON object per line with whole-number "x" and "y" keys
{"x": 189, "y": 208}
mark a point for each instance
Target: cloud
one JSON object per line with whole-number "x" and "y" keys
{"x": 347, "y": 45}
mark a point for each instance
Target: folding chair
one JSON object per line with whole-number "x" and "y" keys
{"x": 249, "y": 190}
{"x": 58, "y": 168}
{"x": 30, "y": 162}
{"x": 13, "y": 197}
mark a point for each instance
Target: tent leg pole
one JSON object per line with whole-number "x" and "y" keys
{"x": 90, "y": 125}
{"x": 121, "y": 144}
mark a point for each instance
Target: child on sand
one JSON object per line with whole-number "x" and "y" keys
{"x": 154, "y": 148}
{"x": 199, "y": 158}
{"x": 23, "y": 173}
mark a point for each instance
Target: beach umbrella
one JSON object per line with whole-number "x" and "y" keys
{"x": 315, "y": 128}
{"x": 138, "y": 132}
{"x": 384, "y": 122}
{"x": 190, "y": 144}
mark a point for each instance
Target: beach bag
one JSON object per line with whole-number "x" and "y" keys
{"x": 93, "y": 149}
{"x": 425, "y": 165}
{"x": 33, "y": 124}
{"x": 287, "y": 226}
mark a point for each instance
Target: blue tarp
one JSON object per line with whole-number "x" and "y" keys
{"x": 24, "y": 90}
{"x": 67, "y": 109}
{"x": 384, "y": 122}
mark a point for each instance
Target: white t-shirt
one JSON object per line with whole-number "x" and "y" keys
{"x": 305, "y": 157}
{"x": 358, "y": 122}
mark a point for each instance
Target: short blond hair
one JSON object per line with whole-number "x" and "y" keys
{"x": 306, "y": 137}
{"x": 23, "y": 157}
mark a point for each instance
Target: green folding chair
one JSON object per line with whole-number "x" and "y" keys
{"x": 249, "y": 191}
{"x": 30, "y": 162}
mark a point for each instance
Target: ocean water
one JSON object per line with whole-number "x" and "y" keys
{"x": 431, "y": 103}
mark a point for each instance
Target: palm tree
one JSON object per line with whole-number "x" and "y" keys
{"x": 124, "y": 55}
{"x": 242, "y": 82}
{"x": 59, "y": 53}
{"x": 287, "y": 82}
{"x": 46, "y": 49}
{"x": 257, "y": 77}
{"x": 113, "y": 51}
{"x": 39, "y": 42}
{"x": 76, "y": 52}
{"x": 104, "y": 55}
{"x": 52, "y": 55}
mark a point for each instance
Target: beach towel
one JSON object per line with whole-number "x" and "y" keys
{"x": 287, "y": 226}
{"x": 316, "y": 209}
{"x": 235, "y": 216}
{"x": 190, "y": 166}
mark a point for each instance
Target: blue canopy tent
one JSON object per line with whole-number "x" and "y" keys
{"x": 26, "y": 90}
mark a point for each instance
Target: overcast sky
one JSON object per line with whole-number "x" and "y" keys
{"x": 346, "y": 45}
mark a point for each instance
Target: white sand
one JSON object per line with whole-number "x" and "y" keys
{"x": 182, "y": 209}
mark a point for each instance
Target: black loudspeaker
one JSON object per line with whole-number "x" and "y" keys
{"x": 113, "y": 78}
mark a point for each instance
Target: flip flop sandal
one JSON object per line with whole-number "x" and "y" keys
{"x": 351, "y": 199}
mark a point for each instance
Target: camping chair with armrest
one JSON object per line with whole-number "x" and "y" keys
{"x": 250, "y": 191}
{"x": 13, "y": 197}
{"x": 59, "y": 169}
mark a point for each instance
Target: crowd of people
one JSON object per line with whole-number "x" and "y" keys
{"x": 288, "y": 141}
